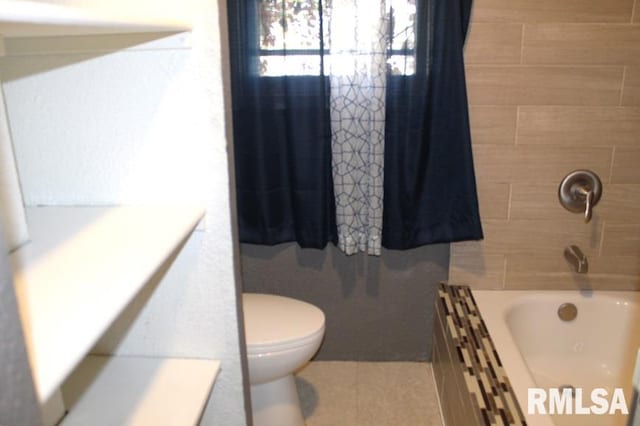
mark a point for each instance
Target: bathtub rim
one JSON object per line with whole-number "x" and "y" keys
{"x": 510, "y": 356}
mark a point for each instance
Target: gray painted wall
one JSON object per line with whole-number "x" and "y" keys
{"x": 377, "y": 308}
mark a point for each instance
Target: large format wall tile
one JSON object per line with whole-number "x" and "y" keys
{"x": 620, "y": 203}
{"x": 483, "y": 270}
{"x": 539, "y": 236}
{"x": 589, "y": 44}
{"x": 493, "y": 124}
{"x": 493, "y": 200}
{"x": 494, "y": 44}
{"x": 588, "y": 126}
{"x": 550, "y": 271}
{"x": 631, "y": 89}
{"x": 553, "y": 11}
{"x": 625, "y": 166}
{"x": 539, "y": 201}
{"x": 526, "y": 163}
{"x": 621, "y": 240}
{"x": 543, "y": 85}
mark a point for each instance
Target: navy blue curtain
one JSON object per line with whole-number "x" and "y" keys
{"x": 282, "y": 140}
{"x": 429, "y": 186}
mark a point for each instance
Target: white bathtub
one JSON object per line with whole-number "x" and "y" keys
{"x": 538, "y": 350}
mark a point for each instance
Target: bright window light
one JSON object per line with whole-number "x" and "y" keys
{"x": 290, "y": 42}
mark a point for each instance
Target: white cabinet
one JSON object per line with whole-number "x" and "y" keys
{"x": 84, "y": 265}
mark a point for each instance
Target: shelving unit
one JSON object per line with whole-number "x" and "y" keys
{"x": 139, "y": 391}
{"x": 21, "y": 18}
{"x": 84, "y": 265}
{"x": 81, "y": 268}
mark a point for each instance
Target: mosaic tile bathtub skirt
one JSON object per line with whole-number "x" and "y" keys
{"x": 472, "y": 384}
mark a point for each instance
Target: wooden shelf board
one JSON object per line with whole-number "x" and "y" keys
{"x": 20, "y": 18}
{"x": 134, "y": 391}
{"x": 80, "y": 270}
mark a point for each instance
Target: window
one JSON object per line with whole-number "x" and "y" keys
{"x": 290, "y": 42}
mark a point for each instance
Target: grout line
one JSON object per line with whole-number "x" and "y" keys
{"x": 517, "y": 133}
{"x": 613, "y": 159}
{"x": 509, "y": 200}
{"x": 624, "y": 77}
{"x": 604, "y": 225}
{"x": 542, "y": 65}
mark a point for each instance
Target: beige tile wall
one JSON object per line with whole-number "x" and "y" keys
{"x": 553, "y": 86}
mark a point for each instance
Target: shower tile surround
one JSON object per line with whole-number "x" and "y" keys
{"x": 472, "y": 385}
{"x": 553, "y": 87}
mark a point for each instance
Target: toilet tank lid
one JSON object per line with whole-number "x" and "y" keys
{"x": 270, "y": 319}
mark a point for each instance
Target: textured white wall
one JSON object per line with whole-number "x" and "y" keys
{"x": 18, "y": 402}
{"x": 138, "y": 126}
{"x": 11, "y": 205}
{"x": 119, "y": 128}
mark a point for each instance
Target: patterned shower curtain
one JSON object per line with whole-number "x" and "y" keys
{"x": 358, "y": 72}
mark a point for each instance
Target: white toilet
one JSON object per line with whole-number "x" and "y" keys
{"x": 282, "y": 334}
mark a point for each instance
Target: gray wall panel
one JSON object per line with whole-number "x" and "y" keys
{"x": 377, "y": 308}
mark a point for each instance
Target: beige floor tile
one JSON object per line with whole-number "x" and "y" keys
{"x": 327, "y": 392}
{"x": 396, "y": 393}
{"x": 343, "y": 393}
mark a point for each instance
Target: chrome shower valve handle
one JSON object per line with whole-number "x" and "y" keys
{"x": 589, "y": 207}
{"x": 588, "y": 199}
{"x": 580, "y": 191}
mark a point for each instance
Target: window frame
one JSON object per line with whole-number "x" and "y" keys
{"x": 324, "y": 53}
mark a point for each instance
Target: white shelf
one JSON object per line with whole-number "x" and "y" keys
{"x": 138, "y": 391}
{"x": 21, "y": 18}
{"x": 81, "y": 268}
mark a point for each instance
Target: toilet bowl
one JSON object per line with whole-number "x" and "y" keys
{"x": 282, "y": 335}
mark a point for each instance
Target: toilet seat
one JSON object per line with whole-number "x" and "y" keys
{"x": 274, "y": 347}
{"x": 276, "y": 323}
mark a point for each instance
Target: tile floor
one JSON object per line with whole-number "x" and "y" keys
{"x": 339, "y": 393}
